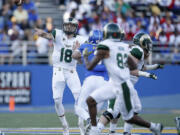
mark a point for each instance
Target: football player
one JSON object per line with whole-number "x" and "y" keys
{"x": 118, "y": 61}
{"x": 94, "y": 78}
{"x": 64, "y": 66}
{"x": 140, "y": 50}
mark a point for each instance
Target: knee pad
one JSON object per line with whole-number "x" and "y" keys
{"x": 108, "y": 115}
{"x": 59, "y": 106}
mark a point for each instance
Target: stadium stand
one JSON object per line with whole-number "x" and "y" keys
{"x": 158, "y": 18}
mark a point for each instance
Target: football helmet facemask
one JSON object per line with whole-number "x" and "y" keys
{"x": 70, "y": 26}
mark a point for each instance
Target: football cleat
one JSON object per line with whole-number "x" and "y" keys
{"x": 157, "y": 130}
{"x": 94, "y": 132}
{"x": 126, "y": 133}
{"x": 88, "y": 127}
{"x": 65, "y": 130}
{"x": 177, "y": 120}
{"x": 112, "y": 133}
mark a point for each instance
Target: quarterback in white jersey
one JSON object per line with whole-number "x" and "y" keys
{"x": 64, "y": 66}
{"x": 118, "y": 62}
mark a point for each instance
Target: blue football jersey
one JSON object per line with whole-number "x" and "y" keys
{"x": 100, "y": 69}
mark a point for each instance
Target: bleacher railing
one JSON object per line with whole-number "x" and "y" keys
{"x": 26, "y": 53}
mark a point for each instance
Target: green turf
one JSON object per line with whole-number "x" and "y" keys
{"x": 24, "y": 120}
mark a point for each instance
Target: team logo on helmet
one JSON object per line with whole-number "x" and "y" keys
{"x": 143, "y": 40}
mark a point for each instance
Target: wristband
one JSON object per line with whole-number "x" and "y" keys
{"x": 145, "y": 74}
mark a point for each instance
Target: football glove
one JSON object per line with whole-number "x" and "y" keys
{"x": 86, "y": 53}
{"x": 153, "y": 76}
{"x": 160, "y": 66}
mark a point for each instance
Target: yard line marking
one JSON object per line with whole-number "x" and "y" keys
{"x": 76, "y": 130}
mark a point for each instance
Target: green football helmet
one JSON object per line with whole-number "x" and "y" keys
{"x": 143, "y": 40}
{"x": 111, "y": 31}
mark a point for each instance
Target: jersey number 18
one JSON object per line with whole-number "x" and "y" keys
{"x": 66, "y": 55}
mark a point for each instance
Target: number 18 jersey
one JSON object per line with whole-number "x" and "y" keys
{"x": 116, "y": 63}
{"x": 62, "y": 53}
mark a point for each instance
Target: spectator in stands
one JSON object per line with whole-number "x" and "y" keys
{"x": 28, "y": 5}
{"x": 4, "y": 49}
{"x": 49, "y": 24}
{"x": 144, "y": 20}
{"x": 6, "y": 13}
{"x": 33, "y": 17}
{"x": 153, "y": 28}
{"x": 16, "y": 45}
{"x": 39, "y": 24}
{"x": 175, "y": 39}
{"x": 162, "y": 38}
{"x": 178, "y": 25}
{"x": 168, "y": 27}
{"x": 123, "y": 23}
{"x": 154, "y": 18}
{"x": 42, "y": 46}
{"x": 20, "y": 14}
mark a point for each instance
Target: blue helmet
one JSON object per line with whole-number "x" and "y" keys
{"x": 95, "y": 36}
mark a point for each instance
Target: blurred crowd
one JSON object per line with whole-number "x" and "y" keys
{"x": 159, "y": 18}
{"x": 17, "y": 24}
{"x": 150, "y": 16}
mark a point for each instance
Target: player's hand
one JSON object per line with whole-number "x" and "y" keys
{"x": 153, "y": 76}
{"x": 38, "y": 32}
{"x": 85, "y": 52}
{"x": 76, "y": 46}
{"x": 160, "y": 66}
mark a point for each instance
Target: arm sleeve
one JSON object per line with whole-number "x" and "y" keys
{"x": 102, "y": 47}
{"x": 136, "y": 53}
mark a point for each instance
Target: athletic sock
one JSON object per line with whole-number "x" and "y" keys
{"x": 113, "y": 126}
{"x": 127, "y": 127}
{"x": 63, "y": 121}
{"x": 152, "y": 126}
{"x": 100, "y": 126}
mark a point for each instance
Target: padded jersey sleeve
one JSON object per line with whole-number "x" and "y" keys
{"x": 57, "y": 34}
{"x": 102, "y": 47}
{"x": 137, "y": 53}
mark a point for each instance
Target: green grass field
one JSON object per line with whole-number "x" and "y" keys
{"x": 24, "y": 120}
{"x": 50, "y": 120}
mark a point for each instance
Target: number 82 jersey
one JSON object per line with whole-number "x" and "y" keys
{"x": 116, "y": 63}
{"x": 62, "y": 52}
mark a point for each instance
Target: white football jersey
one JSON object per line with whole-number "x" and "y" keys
{"x": 62, "y": 53}
{"x": 138, "y": 53}
{"x": 116, "y": 63}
